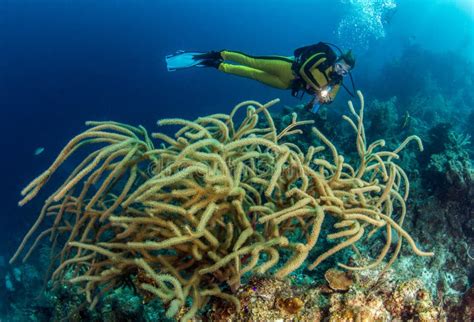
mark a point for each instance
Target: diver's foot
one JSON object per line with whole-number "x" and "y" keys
{"x": 210, "y": 63}
{"x": 214, "y": 55}
{"x": 209, "y": 59}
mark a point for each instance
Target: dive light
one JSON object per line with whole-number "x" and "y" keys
{"x": 323, "y": 94}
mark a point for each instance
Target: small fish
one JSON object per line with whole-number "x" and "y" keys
{"x": 39, "y": 150}
{"x": 406, "y": 120}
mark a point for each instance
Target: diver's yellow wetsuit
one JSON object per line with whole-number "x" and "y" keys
{"x": 279, "y": 71}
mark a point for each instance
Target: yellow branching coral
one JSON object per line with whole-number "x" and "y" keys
{"x": 217, "y": 200}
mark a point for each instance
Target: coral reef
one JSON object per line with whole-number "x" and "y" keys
{"x": 447, "y": 73}
{"x": 266, "y": 298}
{"x": 384, "y": 119}
{"x": 443, "y": 205}
{"x": 442, "y": 93}
{"x": 370, "y": 297}
{"x": 449, "y": 170}
{"x": 186, "y": 220}
{"x": 338, "y": 280}
{"x": 440, "y": 111}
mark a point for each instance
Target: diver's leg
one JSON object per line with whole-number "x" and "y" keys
{"x": 256, "y": 74}
{"x": 279, "y": 66}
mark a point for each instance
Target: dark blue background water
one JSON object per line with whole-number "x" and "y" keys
{"x": 65, "y": 62}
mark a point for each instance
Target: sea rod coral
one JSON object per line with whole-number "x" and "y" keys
{"x": 221, "y": 198}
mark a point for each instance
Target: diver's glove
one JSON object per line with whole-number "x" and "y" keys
{"x": 321, "y": 97}
{"x": 315, "y": 103}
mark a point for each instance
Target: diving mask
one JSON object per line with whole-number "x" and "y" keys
{"x": 341, "y": 68}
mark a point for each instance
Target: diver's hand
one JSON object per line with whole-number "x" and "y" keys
{"x": 325, "y": 100}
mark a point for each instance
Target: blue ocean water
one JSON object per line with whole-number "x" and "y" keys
{"x": 66, "y": 62}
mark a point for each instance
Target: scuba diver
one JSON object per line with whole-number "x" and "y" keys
{"x": 314, "y": 69}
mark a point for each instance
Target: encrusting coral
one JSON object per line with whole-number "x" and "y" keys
{"x": 212, "y": 203}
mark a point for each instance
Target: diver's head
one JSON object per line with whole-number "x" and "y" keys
{"x": 345, "y": 63}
